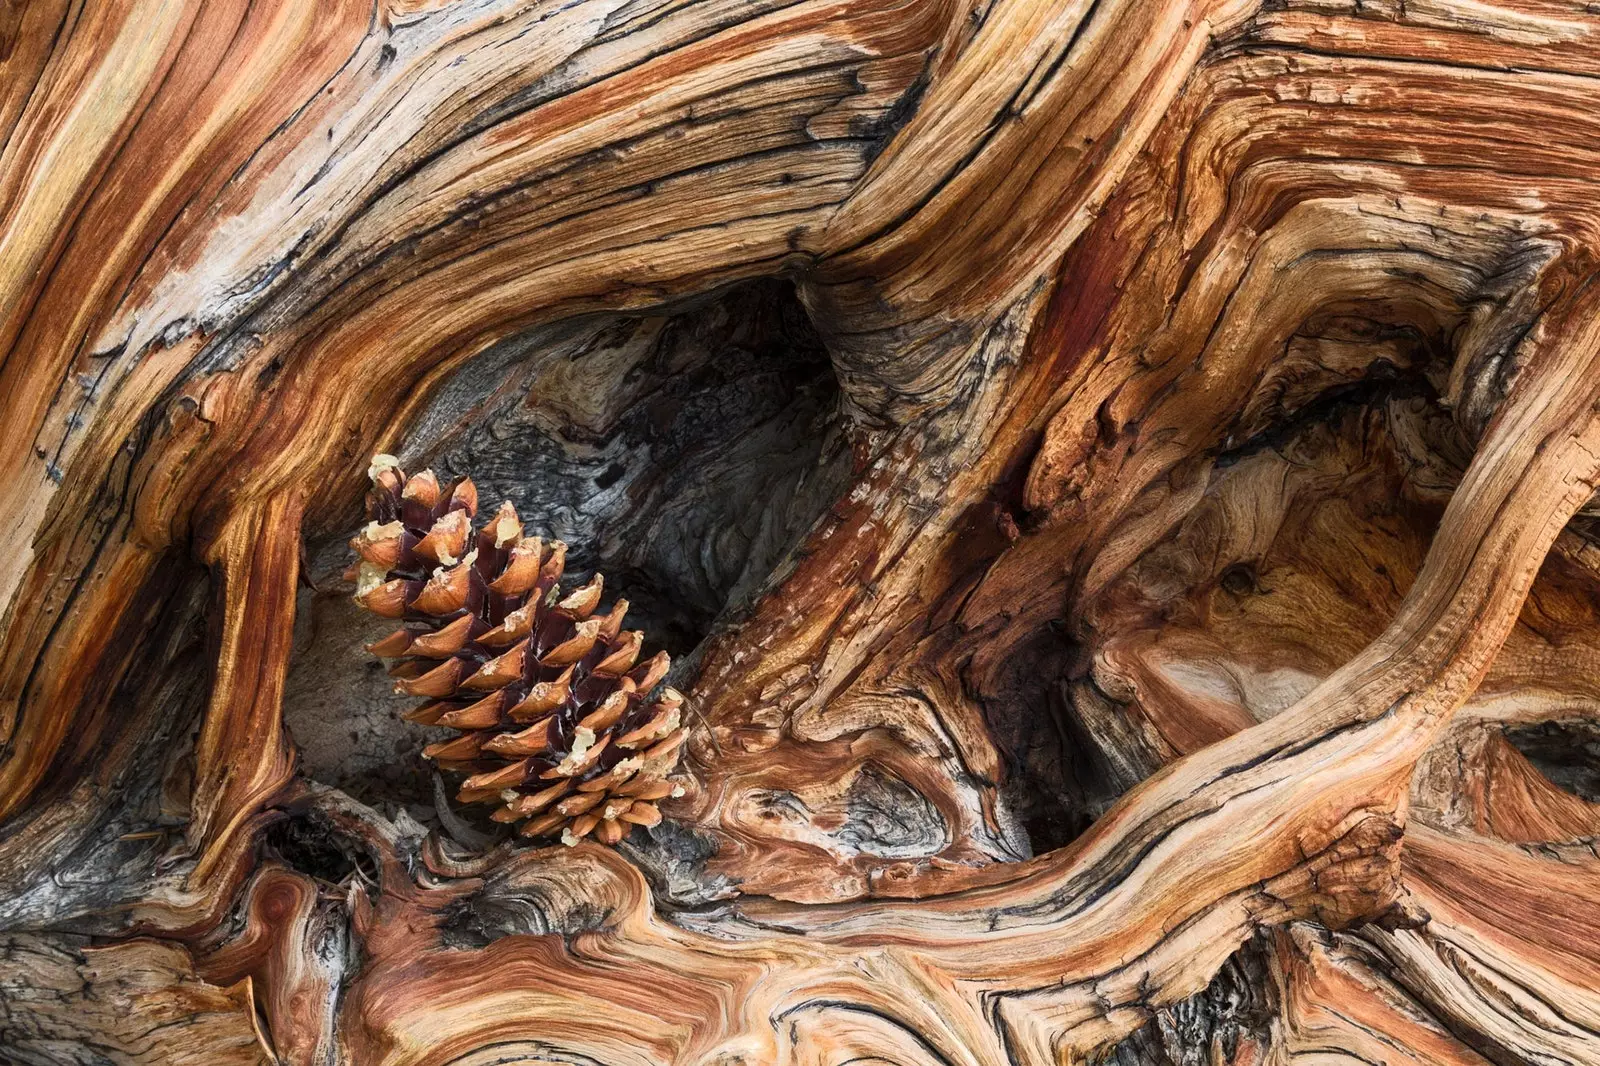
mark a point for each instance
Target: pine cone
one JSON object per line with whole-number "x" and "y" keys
{"x": 555, "y": 717}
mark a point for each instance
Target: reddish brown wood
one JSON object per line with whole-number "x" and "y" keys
{"x": 1116, "y": 480}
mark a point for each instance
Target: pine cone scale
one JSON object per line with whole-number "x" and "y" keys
{"x": 549, "y": 696}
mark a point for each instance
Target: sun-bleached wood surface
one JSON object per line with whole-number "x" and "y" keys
{"x": 1115, "y": 478}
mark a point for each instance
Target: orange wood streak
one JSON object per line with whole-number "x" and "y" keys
{"x": 241, "y": 757}
{"x": 158, "y": 135}
{"x": 1523, "y": 806}
{"x": 1502, "y": 894}
{"x": 1333, "y": 1004}
{"x": 281, "y": 913}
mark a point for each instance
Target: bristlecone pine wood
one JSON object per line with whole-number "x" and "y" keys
{"x": 556, "y": 720}
{"x": 1117, "y": 478}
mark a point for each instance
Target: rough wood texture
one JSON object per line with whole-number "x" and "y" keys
{"x": 1116, "y": 479}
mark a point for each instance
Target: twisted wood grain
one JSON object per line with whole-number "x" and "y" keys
{"x": 1216, "y": 379}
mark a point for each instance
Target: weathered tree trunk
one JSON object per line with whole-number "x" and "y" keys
{"x": 1114, "y": 477}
